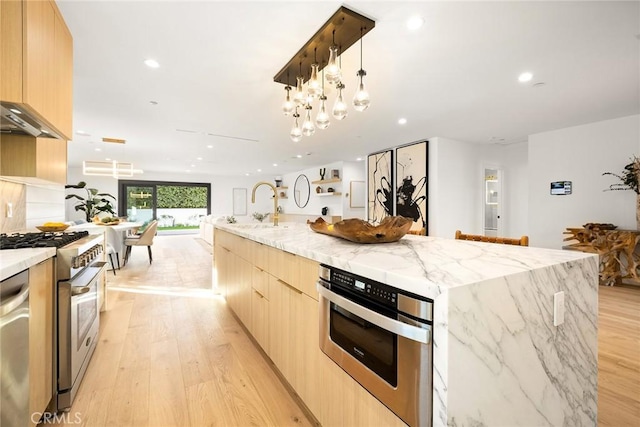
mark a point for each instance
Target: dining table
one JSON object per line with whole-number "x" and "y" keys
{"x": 114, "y": 234}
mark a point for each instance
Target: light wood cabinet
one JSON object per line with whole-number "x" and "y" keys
{"x": 41, "y": 334}
{"x": 25, "y": 155}
{"x": 259, "y": 326}
{"x": 283, "y": 317}
{"x": 37, "y": 62}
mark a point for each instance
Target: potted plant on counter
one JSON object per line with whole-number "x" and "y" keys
{"x": 94, "y": 203}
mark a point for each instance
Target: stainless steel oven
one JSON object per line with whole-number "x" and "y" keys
{"x": 80, "y": 270}
{"x": 78, "y": 324}
{"x": 382, "y": 337}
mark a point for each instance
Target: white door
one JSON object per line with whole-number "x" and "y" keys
{"x": 492, "y": 206}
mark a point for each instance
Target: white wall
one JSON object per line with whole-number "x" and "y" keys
{"x": 338, "y": 205}
{"x": 454, "y": 180}
{"x": 515, "y": 211}
{"x": 221, "y": 190}
{"x": 580, "y": 154}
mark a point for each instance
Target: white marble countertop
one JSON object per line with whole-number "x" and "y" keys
{"x": 420, "y": 264}
{"x": 13, "y": 261}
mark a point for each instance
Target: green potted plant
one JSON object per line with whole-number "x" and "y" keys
{"x": 94, "y": 203}
{"x": 629, "y": 180}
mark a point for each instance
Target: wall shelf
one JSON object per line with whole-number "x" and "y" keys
{"x": 326, "y": 181}
{"x": 333, "y": 193}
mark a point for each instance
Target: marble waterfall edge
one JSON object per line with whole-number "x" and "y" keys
{"x": 507, "y": 363}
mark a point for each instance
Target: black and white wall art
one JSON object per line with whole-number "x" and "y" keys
{"x": 380, "y": 186}
{"x": 411, "y": 184}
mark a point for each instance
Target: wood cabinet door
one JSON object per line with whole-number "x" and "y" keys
{"x": 307, "y": 363}
{"x": 11, "y": 51}
{"x": 62, "y": 114}
{"x": 39, "y": 60}
{"x": 40, "y": 336}
{"x": 260, "y": 318}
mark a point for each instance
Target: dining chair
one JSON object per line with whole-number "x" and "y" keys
{"x": 522, "y": 241}
{"x": 144, "y": 239}
{"x": 111, "y": 252}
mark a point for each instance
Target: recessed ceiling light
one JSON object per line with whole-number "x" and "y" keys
{"x": 209, "y": 146}
{"x": 193, "y": 166}
{"x": 525, "y": 77}
{"x": 299, "y": 156}
{"x": 98, "y": 149}
{"x": 151, "y": 63}
{"x": 402, "y": 121}
{"x": 415, "y": 22}
{"x": 15, "y": 110}
{"x": 246, "y": 174}
{"x": 259, "y": 170}
{"x": 359, "y": 159}
{"x": 275, "y": 164}
{"x": 199, "y": 158}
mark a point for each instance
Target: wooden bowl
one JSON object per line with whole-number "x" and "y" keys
{"x": 391, "y": 229}
{"x": 52, "y": 229}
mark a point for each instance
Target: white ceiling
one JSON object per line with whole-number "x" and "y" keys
{"x": 455, "y": 77}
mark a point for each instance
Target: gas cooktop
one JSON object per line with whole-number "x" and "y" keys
{"x": 39, "y": 240}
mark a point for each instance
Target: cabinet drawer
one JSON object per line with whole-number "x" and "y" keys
{"x": 283, "y": 265}
{"x": 307, "y": 276}
{"x": 260, "y": 281}
{"x": 260, "y": 255}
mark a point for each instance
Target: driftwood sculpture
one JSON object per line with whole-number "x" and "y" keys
{"x": 615, "y": 247}
{"x": 391, "y": 229}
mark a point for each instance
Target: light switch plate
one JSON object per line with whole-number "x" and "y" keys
{"x": 558, "y": 308}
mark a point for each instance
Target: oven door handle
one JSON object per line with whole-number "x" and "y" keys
{"x": 79, "y": 290}
{"x": 405, "y": 330}
{"x": 14, "y": 302}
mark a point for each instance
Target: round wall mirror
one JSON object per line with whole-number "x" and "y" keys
{"x": 301, "y": 191}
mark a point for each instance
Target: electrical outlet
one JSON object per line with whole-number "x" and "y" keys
{"x": 558, "y": 308}
{"x": 9, "y": 210}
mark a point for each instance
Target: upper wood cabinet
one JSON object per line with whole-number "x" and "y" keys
{"x": 36, "y": 65}
{"x": 25, "y": 155}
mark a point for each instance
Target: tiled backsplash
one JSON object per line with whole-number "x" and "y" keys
{"x": 34, "y": 202}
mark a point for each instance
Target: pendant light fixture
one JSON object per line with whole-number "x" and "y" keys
{"x": 341, "y": 31}
{"x": 288, "y": 105}
{"x": 333, "y": 69}
{"x": 361, "y": 99}
{"x": 299, "y": 97}
{"x": 308, "y": 128}
{"x": 296, "y": 132}
{"x": 314, "y": 88}
{"x": 339, "y": 108}
{"x": 322, "y": 119}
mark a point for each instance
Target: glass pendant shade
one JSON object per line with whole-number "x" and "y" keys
{"x": 361, "y": 99}
{"x": 287, "y": 105}
{"x": 339, "y": 108}
{"x": 315, "y": 87}
{"x": 296, "y": 132}
{"x": 299, "y": 97}
{"x": 322, "y": 119}
{"x": 308, "y": 128}
{"x": 332, "y": 70}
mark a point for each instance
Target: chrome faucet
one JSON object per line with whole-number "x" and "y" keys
{"x": 275, "y": 199}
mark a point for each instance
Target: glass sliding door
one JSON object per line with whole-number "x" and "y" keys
{"x": 176, "y": 205}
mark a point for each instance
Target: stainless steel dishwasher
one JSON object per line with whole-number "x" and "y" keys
{"x": 14, "y": 350}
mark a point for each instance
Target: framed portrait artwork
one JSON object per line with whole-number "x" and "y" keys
{"x": 411, "y": 184}
{"x": 380, "y": 186}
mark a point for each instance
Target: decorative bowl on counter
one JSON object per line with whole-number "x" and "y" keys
{"x": 391, "y": 229}
{"x": 52, "y": 227}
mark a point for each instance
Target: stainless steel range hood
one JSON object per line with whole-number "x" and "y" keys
{"x": 14, "y": 119}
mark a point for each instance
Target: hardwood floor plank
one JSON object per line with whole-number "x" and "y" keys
{"x": 167, "y": 396}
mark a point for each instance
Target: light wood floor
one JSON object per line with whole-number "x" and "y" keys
{"x": 178, "y": 357}
{"x": 619, "y": 356}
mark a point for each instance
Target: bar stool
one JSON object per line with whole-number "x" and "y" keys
{"x": 111, "y": 251}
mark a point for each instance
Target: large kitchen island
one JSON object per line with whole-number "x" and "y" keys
{"x": 498, "y": 359}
